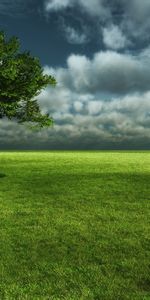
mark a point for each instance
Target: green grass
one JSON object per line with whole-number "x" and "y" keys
{"x": 75, "y": 225}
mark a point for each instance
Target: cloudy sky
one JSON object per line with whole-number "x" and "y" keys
{"x": 99, "y": 53}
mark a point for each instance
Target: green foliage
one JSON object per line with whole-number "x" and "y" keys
{"x": 21, "y": 79}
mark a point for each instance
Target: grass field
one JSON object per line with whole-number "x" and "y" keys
{"x": 75, "y": 225}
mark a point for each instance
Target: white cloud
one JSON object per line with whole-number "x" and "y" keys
{"x": 108, "y": 72}
{"x": 113, "y": 38}
{"x": 83, "y": 117}
{"x": 73, "y": 36}
{"x": 95, "y": 8}
{"x": 95, "y": 124}
{"x": 131, "y": 16}
{"x": 86, "y": 119}
{"x": 92, "y": 7}
{"x": 95, "y": 107}
{"x": 78, "y": 106}
{"x": 54, "y": 5}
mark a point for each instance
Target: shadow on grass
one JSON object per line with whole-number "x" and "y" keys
{"x": 116, "y": 183}
{"x": 2, "y": 175}
{"x": 109, "y": 177}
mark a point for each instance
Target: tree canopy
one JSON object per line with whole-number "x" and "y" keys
{"x": 21, "y": 80}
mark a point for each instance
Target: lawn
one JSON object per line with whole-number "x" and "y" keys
{"x": 75, "y": 225}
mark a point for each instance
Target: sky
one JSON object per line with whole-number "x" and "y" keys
{"x": 99, "y": 53}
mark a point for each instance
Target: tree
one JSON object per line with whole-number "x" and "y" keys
{"x": 21, "y": 79}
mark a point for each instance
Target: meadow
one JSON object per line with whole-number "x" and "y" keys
{"x": 74, "y": 225}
